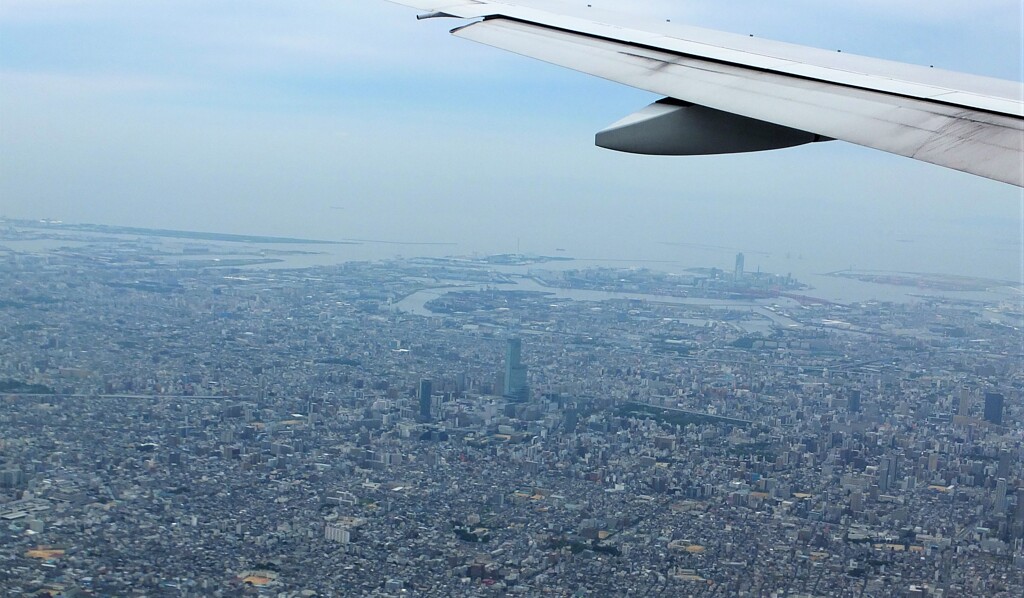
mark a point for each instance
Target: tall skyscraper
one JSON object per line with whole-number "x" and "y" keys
{"x": 738, "y": 273}
{"x": 515, "y": 371}
{"x": 994, "y": 408}
{"x": 854, "y": 401}
{"x": 963, "y": 406}
{"x": 1003, "y": 466}
{"x": 999, "y": 502}
{"x": 425, "y": 392}
{"x": 888, "y": 472}
{"x": 1018, "y": 515}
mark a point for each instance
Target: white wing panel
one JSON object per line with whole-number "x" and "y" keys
{"x": 967, "y": 138}
{"x": 982, "y": 93}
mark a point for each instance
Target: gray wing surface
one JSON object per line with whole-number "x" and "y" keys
{"x": 734, "y": 88}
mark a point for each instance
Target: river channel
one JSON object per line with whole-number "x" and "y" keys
{"x": 765, "y": 318}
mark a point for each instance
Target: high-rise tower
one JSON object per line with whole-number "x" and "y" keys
{"x": 425, "y": 392}
{"x": 515, "y": 372}
{"x": 853, "y": 403}
{"x": 994, "y": 408}
{"x": 963, "y": 406}
{"x": 999, "y": 501}
{"x": 738, "y": 273}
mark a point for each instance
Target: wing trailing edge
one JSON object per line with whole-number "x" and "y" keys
{"x": 964, "y": 122}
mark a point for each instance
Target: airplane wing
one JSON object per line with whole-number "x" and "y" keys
{"x": 728, "y": 93}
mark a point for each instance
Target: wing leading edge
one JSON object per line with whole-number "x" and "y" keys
{"x": 968, "y": 123}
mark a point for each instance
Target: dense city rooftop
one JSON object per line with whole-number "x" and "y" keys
{"x": 176, "y": 426}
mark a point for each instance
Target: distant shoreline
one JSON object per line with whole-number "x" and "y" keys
{"x": 170, "y": 233}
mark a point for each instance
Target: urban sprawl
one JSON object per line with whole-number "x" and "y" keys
{"x": 173, "y": 424}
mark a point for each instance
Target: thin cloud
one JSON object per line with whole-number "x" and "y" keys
{"x": 100, "y": 84}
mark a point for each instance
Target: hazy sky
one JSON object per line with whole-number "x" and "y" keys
{"x": 264, "y": 117}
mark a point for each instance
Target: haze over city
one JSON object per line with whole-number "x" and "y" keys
{"x": 352, "y": 120}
